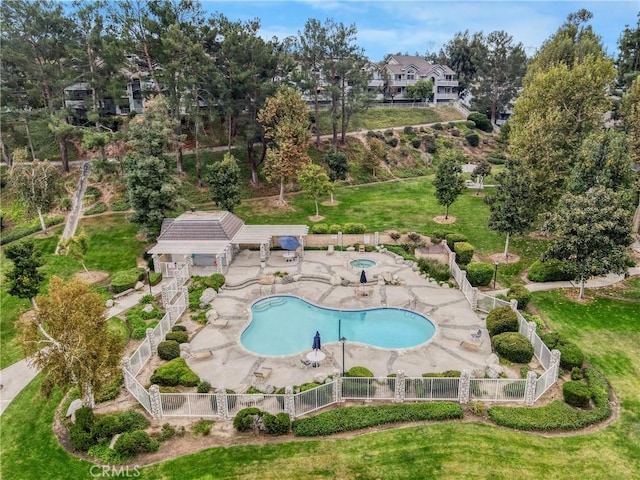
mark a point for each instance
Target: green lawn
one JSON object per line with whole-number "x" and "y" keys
{"x": 113, "y": 246}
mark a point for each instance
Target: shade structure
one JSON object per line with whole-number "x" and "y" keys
{"x": 363, "y": 277}
{"x": 316, "y": 341}
{"x": 289, "y": 243}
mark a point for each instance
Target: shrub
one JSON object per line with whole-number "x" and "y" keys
{"x": 146, "y": 299}
{"x": 570, "y": 354}
{"x": 320, "y": 228}
{"x": 107, "y": 426}
{"x": 354, "y": 418}
{"x": 92, "y": 194}
{"x": 179, "y": 328}
{"x": 416, "y": 142}
{"x": 464, "y": 252}
{"x": 455, "y": 132}
{"x": 513, "y": 346}
{"x": 126, "y": 279}
{"x": 430, "y": 144}
{"x": 408, "y": 130}
{"x": 202, "y": 427}
{"x": 576, "y": 373}
{"x": 243, "y": 422}
{"x": 550, "y": 271}
{"x": 155, "y": 278}
{"x": 435, "y": 269}
{"x": 84, "y": 418}
{"x": 204, "y": 387}
{"x": 558, "y": 415}
{"x": 109, "y": 391}
{"x": 175, "y": 372}
{"x": 470, "y": 124}
{"x": 438, "y": 235}
{"x": 81, "y": 440}
{"x": 500, "y": 320}
{"x": 279, "y": 424}
{"x": 180, "y": 337}
{"x": 520, "y": 293}
{"x": 168, "y": 350}
{"x": 497, "y": 159}
{"x": 479, "y": 274}
{"x": 354, "y": 228}
{"x": 361, "y": 372}
{"x": 576, "y": 394}
{"x": 131, "y": 443}
{"x": 392, "y": 142}
{"x": 472, "y": 138}
{"x": 335, "y": 228}
{"x": 120, "y": 206}
{"x": 481, "y": 120}
{"x": 452, "y": 238}
{"x": 438, "y": 126}
{"x": 166, "y": 432}
{"x": 99, "y": 207}
{"x": 388, "y": 132}
{"x": 395, "y": 236}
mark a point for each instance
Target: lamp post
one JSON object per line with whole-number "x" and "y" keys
{"x": 343, "y": 341}
{"x": 149, "y": 280}
{"x": 495, "y": 273}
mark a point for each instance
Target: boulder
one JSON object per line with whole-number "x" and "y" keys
{"x": 345, "y": 282}
{"x": 148, "y": 308}
{"x": 296, "y": 277}
{"x": 478, "y": 373}
{"x": 268, "y": 389}
{"x": 139, "y": 286}
{"x": 287, "y": 279}
{"x": 492, "y": 360}
{"x": 211, "y": 315}
{"x": 494, "y": 371}
{"x": 351, "y": 249}
{"x": 109, "y": 303}
{"x": 267, "y": 280}
{"x": 320, "y": 377}
{"x": 335, "y": 280}
{"x": 71, "y": 411}
{"x": 208, "y": 295}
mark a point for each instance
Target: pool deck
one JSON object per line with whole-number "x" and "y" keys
{"x": 232, "y": 366}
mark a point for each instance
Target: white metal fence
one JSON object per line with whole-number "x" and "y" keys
{"x": 314, "y": 399}
{"x": 431, "y": 388}
{"x": 137, "y": 390}
{"x": 497, "y": 389}
{"x": 486, "y": 303}
{"x": 140, "y": 357}
{"x": 272, "y": 403}
{"x": 381, "y": 388}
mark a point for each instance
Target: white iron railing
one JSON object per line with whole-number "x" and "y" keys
{"x": 431, "y": 388}
{"x": 497, "y": 389}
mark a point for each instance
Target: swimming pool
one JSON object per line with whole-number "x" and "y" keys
{"x": 362, "y": 263}
{"x": 284, "y": 325}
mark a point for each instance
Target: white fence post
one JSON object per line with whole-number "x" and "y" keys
{"x": 337, "y": 387}
{"x": 289, "y": 402}
{"x": 530, "y": 389}
{"x": 400, "y": 390}
{"x": 474, "y": 299}
{"x": 555, "y": 363}
{"x": 531, "y": 331}
{"x": 156, "y": 404}
{"x": 465, "y": 387}
{"x": 223, "y": 407}
{"x": 514, "y": 304}
{"x": 152, "y": 341}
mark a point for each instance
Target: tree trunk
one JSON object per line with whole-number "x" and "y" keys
{"x": 42, "y": 225}
{"x": 446, "y": 215}
{"x": 29, "y": 140}
{"x": 84, "y": 266}
{"x": 34, "y": 305}
{"x": 506, "y": 247}
{"x": 343, "y": 133}
{"x": 179, "y": 159}
{"x": 88, "y": 400}
{"x": 5, "y": 158}
{"x": 281, "y": 197}
{"x": 331, "y": 196}
{"x": 64, "y": 154}
{"x": 317, "y": 112}
{"x": 317, "y": 211}
{"x": 581, "y": 289}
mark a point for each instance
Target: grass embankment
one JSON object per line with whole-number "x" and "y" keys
{"x": 606, "y": 329}
{"x": 113, "y": 246}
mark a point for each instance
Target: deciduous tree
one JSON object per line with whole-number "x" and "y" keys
{"x": 592, "y": 231}
{"x": 69, "y": 341}
{"x": 628, "y": 61}
{"x": 448, "y": 183}
{"x": 77, "y": 246}
{"x": 223, "y": 179}
{"x": 315, "y": 182}
{"x": 422, "y": 90}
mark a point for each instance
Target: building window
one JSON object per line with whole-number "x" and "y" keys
{"x": 448, "y": 77}
{"x": 410, "y": 76}
{"x": 397, "y": 76}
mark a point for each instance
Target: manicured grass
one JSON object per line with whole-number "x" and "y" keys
{"x": 113, "y": 246}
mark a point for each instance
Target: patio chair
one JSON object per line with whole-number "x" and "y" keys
{"x": 476, "y": 336}
{"x": 306, "y": 363}
{"x": 330, "y": 250}
{"x": 361, "y": 248}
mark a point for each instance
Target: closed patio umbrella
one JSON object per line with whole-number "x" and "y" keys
{"x": 363, "y": 278}
{"x": 316, "y": 341}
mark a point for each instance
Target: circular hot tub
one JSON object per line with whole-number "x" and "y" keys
{"x": 362, "y": 263}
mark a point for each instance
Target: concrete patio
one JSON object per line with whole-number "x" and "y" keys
{"x": 233, "y": 366}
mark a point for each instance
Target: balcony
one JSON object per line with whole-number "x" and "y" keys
{"x": 446, "y": 83}
{"x": 446, "y": 96}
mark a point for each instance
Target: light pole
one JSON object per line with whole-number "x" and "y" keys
{"x": 343, "y": 341}
{"x": 495, "y": 273}
{"x": 149, "y": 280}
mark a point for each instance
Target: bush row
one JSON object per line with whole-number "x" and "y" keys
{"x": 354, "y": 418}
{"x": 16, "y": 233}
{"x": 99, "y": 207}
{"x": 513, "y": 346}
{"x": 558, "y": 415}
{"x": 479, "y": 274}
{"x": 500, "y": 320}
{"x": 252, "y": 417}
{"x": 550, "y": 271}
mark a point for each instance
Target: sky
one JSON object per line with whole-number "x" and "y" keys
{"x": 389, "y": 26}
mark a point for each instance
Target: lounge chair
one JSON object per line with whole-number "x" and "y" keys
{"x": 306, "y": 363}
{"x": 262, "y": 374}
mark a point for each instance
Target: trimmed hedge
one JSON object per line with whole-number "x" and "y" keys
{"x": 479, "y": 274}
{"x": 177, "y": 336}
{"x": 131, "y": 443}
{"x": 435, "y": 269}
{"x": 472, "y": 138}
{"x": 354, "y": 418}
{"x": 464, "y": 252}
{"x": 558, "y": 415}
{"x": 571, "y": 356}
{"x": 99, "y": 207}
{"x": 243, "y": 422}
{"x": 470, "y": 124}
{"x": 168, "y": 350}
{"x": 550, "y": 271}
{"x": 279, "y": 424}
{"x": 126, "y": 279}
{"x": 501, "y": 320}
{"x": 320, "y": 228}
{"x": 335, "y": 228}
{"x": 360, "y": 372}
{"x": 173, "y": 373}
{"x": 354, "y": 228}
{"x": 513, "y": 346}
{"x": 452, "y": 238}
{"x": 520, "y": 293}
{"x": 481, "y": 120}
{"x": 576, "y": 394}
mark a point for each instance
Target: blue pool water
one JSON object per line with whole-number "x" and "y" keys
{"x": 362, "y": 263}
{"x": 284, "y": 325}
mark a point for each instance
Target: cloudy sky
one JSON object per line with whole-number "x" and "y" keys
{"x": 389, "y": 26}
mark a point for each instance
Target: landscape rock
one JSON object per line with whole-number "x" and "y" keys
{"x": 147, "y": 308}
{"x": 71, "y": 411}
{"x": 494, "y": 371}
{"x": 351, "y": 249}
{"x": 288, "y": 279}
{"x": 345, "y": 282}
{"x": 109, "y": 303}
{"x": 267, "y": 280}
{"x": 211, "y": 315}
{"x": 139, "y": 286}
{"x": 208, "y": 295}
{"x": 335, "y": 280}
{"x": 268, "y": 389}
{"x": 320, "y": 377}
{"x": 492, "y": 360}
